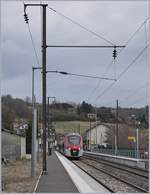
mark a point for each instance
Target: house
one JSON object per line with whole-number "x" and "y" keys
{"x": 97, "y": 135}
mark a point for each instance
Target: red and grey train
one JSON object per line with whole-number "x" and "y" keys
{"x": 72, "y": 145}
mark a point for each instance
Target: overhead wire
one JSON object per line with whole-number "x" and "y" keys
{"x": 100, "y": 81}
{"x": 133, "y": 93}
{"x": 33, "y": 43}
{"x": 123, "y": 72}
{"x": 110, "y": 64}
{"x": 139, "y": 89}
{"x": 82, "y": 26}
{"x": 138, "y": 29}
{"x": 99, "y": 37}
{"x": 134, "y": 60}
{"x": 126, "y": 44}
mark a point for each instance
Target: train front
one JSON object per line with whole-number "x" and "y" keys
{"x": 73, "y": 145}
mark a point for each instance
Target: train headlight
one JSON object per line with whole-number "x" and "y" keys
{"x": 69, "y": 148}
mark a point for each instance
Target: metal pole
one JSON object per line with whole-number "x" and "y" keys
{"x": 35, "y": 134}
{"x": 48, "y": 124}
{"x": 149, "y": 79}
{"x": 116, "y": 131}
{"x": 117, "y": 125}
{"x": 38, "y": 151}
{"x": 96, "y": 126}
{"x": 137, "y": 142}
{"x": 90, "y": 136}
{"x": 33, "y": 155}
{"x": 44, "y": 87}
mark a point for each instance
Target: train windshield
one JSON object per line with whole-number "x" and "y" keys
{"x": 74, "y": 139}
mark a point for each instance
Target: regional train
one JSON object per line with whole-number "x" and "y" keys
{"x": 72, "y": 145}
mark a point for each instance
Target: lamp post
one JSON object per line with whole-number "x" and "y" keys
{"x": 34, "y": 126}
{"x": 137, "y": 139}
{"x": 136, "y": 125}
{"x": 96, "y": 124}
{"x": 116, "y": 130}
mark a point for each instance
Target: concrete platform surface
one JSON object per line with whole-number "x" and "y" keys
{"x": 57, "y": 180}
{"x": 83, "y": 182}
{"x": 133, "y": 162}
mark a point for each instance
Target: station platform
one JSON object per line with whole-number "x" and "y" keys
{"x": 65, "y": 177}
{"x": 133, "y": 162}
{"x": 57, "y": 180}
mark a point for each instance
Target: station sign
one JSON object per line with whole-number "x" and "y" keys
{"x": 132, "y": 138}
{"x": 92, "y": 116}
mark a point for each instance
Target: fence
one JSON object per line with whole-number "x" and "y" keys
{"x": 143, "y": 154}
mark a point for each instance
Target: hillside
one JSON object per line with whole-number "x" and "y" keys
{"x": 67, "y": 116}
{"x": 71, "y": 126}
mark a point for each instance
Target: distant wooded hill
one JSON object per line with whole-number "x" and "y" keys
{"x": 15, "y": 108}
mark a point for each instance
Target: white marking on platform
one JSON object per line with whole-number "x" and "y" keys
{"x": 83, "y": 182}
{"x": 35, "y": 188}
{"x": 118, "y": 157}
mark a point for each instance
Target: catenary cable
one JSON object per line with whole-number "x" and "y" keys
{"x": 33, "y": 43}
{"x": 126, "y": 44}
{"x": 81, "y": 26}
{"x": 123, "y": 72}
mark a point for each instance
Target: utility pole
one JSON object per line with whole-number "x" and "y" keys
{"x": 44, "y": 86}
{"x": 137, "y": 139}
{"x": 137, "y": 142}
{"x": 90, "y": 136}
{"x": 38, "y": 151}
{"x": 116, "y": 131}
{"x": 96, "y": 124}
{"x": 48, "y": 123}
{"x": 44, "y": 46}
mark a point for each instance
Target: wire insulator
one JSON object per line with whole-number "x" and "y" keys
{"x": 26, "y": 18}
{"x": 114, "y": 53}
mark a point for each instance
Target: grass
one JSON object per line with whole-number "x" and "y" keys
{"x": 71, "y": 126}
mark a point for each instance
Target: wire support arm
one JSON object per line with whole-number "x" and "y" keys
{"x": 84, "y": 46}
{"x": 34, "y": 4}
{"x": 81, "y": 75}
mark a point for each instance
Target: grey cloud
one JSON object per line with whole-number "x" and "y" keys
{"x": 116, "y": 21}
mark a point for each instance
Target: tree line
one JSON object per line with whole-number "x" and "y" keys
{"x": 15, "y": 108}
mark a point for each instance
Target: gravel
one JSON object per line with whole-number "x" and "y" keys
{"x": 110, "y": 182}
{"x": 141, "y": 182}
{"x": 16, "y": 176}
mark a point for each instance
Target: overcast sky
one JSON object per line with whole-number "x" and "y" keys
{"x": 115, "y": 21}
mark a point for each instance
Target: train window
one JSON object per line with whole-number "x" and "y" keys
{"x": 74, "y": 139}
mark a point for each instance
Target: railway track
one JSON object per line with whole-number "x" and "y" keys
{"x": 133, "y": 170}
{"x": 112, "y": 179}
